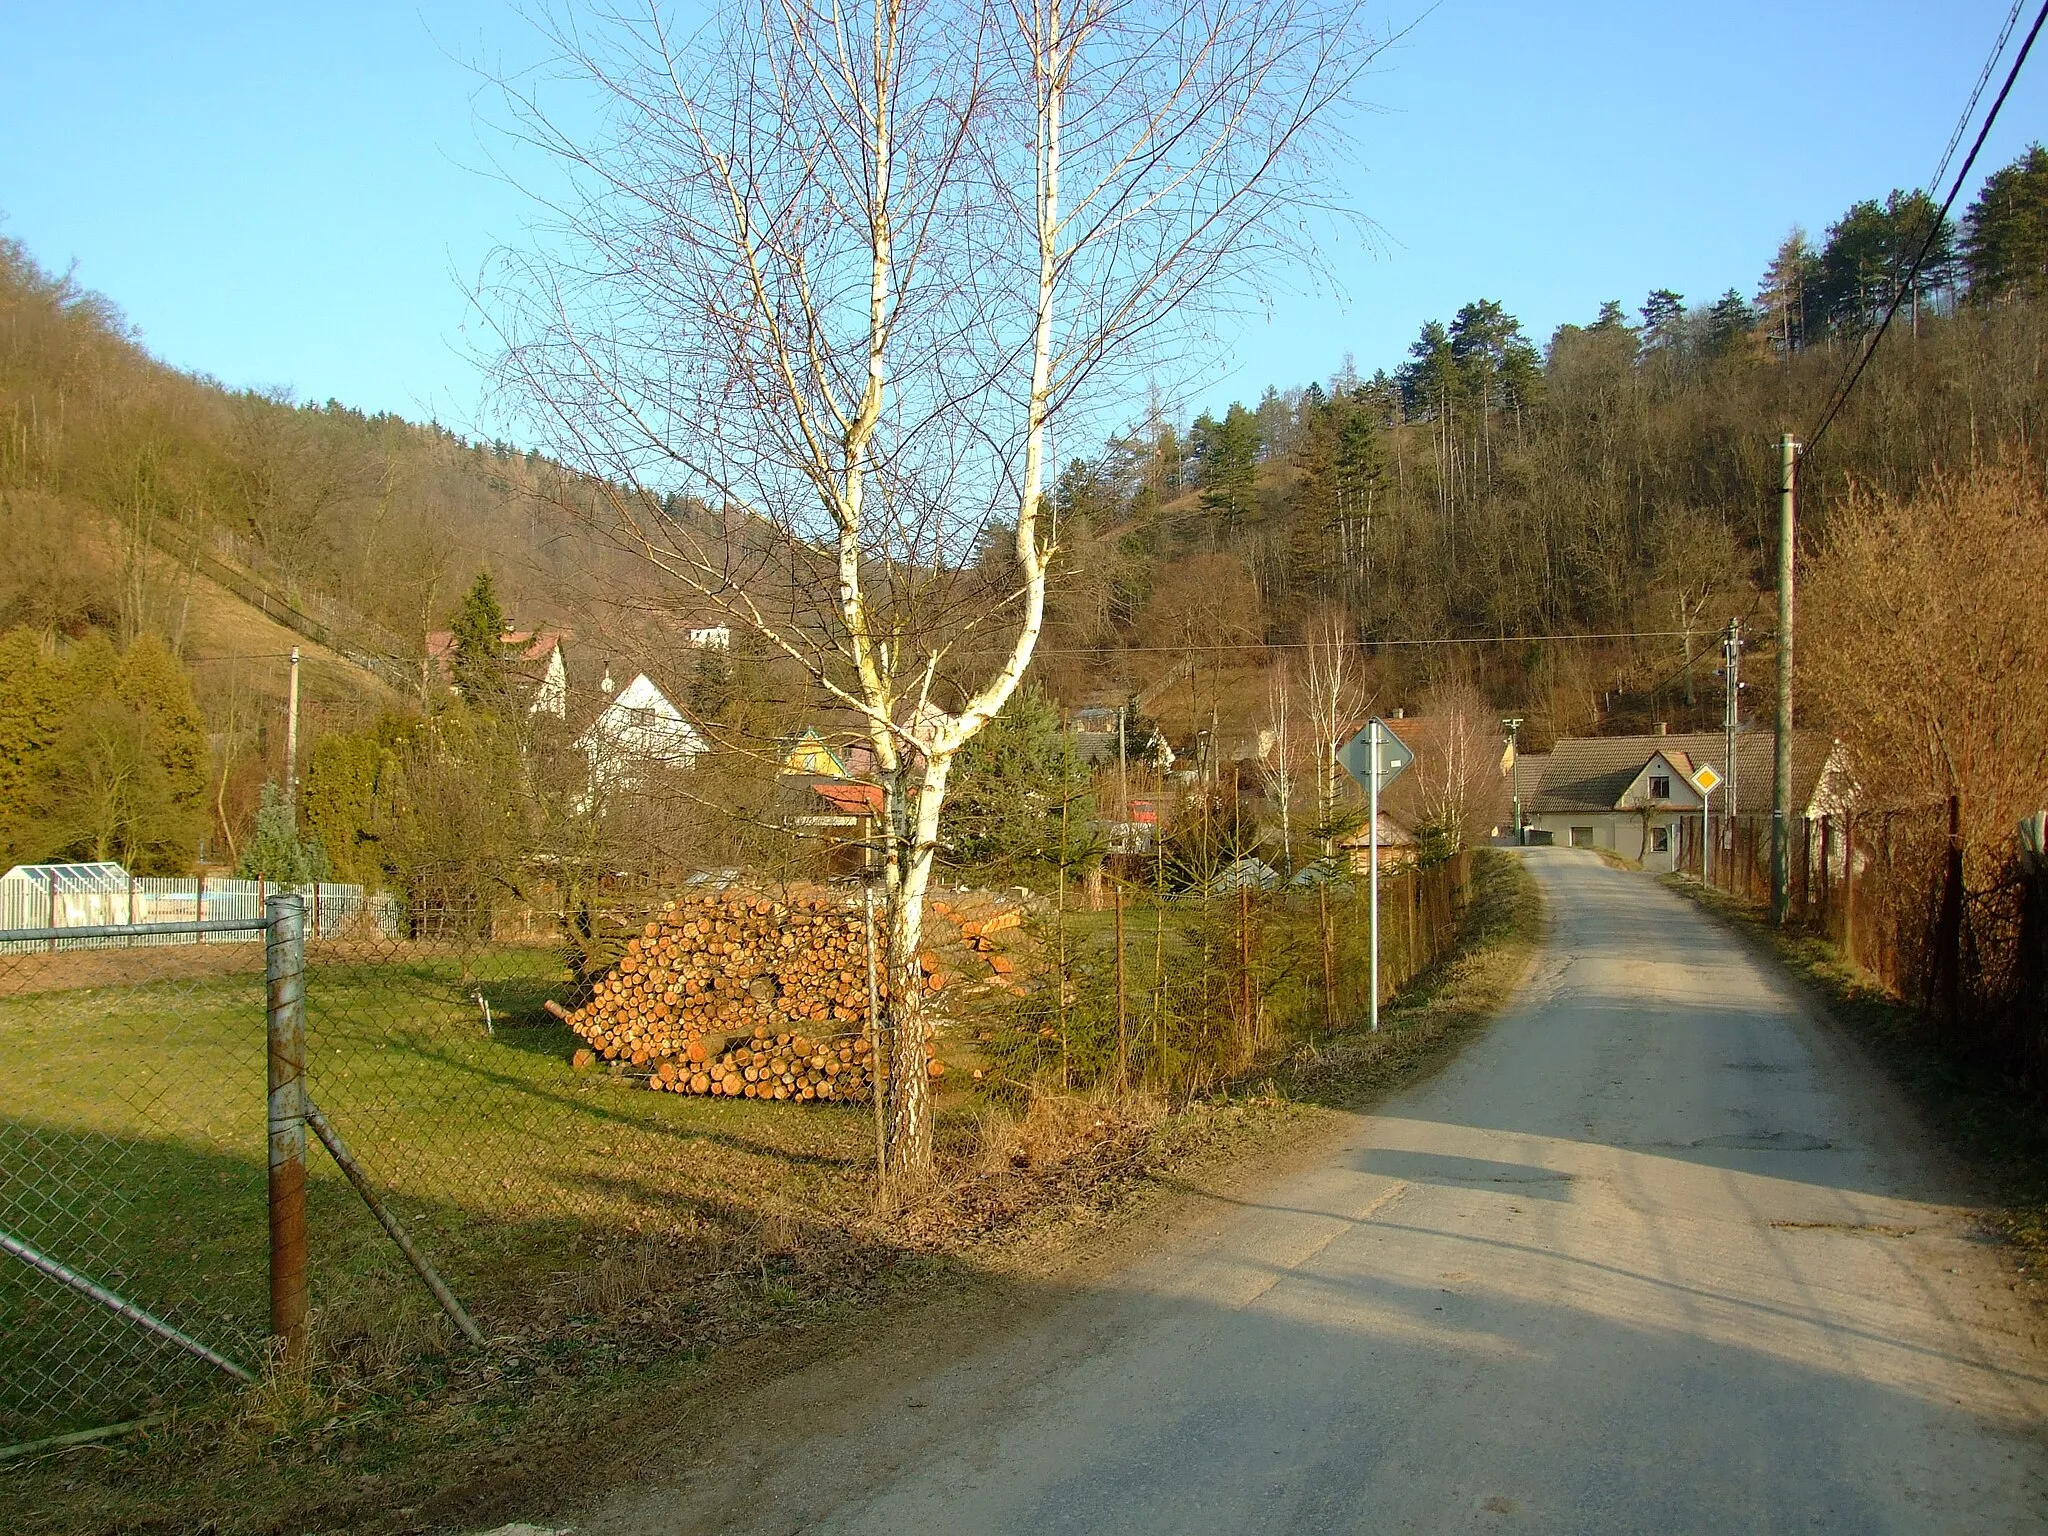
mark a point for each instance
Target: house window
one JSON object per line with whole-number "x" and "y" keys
{"x": 1660, "y": 786}
{"x": 1660, "y": 839}
{"x": 1582, "y": 837}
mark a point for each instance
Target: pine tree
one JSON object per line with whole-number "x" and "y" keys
{"x": 1728, "y": 319}
{"x": 339, "y": 802}
{"x": 1227, "y": 458}
{"x": 33, "y": 705}
{"x": 2005, "y": 232}
{"x": 152, "y": 683}
{"x": 1788, "y": 293}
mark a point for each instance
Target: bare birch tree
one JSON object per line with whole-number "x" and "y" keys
{"x": 1334, "y": 694}
{"x": 1459, "y": 784}
{"x": 834, "y": 271}
{"x": 1277, "y": 763}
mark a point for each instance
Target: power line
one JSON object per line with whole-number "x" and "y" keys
{"x": 1934, "y": 229}
{"x": 2012, "y": 18}
{"x": 1302, "y": 645}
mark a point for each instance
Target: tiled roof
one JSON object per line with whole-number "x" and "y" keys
{"x": 1591, "y": 773}
{"x": 851, "y": 799}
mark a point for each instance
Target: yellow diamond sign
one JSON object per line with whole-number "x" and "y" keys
{"x": 1706, "y": 780}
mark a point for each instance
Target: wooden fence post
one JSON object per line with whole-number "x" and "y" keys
{"x": 1123, "y": 1038}
{"x": 1849, "y": 888}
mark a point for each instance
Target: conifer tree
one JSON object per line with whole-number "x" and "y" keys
{"x": 276, "y": 852}
{"x": 2005, "y": 232}
{"x": 477, "y": 667}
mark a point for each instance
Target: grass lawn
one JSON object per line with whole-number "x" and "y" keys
{"x": 625, "y": 1251}
{"x": 132, "y": 1147}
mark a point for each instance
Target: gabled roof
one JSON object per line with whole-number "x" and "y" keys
{"x": 641, "y": 723}
{"x": 1590, "y": 774}
{"x": 808, "y": 754}
{"x": 851, "y": 799}
{"x": 1393, "y": 834}
{"x": 69, "y": 877}
{"x": 521, "y": 645}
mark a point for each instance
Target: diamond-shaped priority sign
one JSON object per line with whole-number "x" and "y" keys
{"x": 1706, "y": 781}
{"x": 1357, "y": 755}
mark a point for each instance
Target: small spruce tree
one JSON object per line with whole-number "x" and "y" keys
{"x": 477, "y": 667}
{"x": 276, "y": 852}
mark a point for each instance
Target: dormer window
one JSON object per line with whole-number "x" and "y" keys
{"x": 1660, "y": 786}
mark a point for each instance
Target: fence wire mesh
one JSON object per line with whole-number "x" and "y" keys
{"x": 574, "y": 1214}
{"x": 131, "y": 1153}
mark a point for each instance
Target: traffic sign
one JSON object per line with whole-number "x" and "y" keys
{"x": 1357, "y": 755}
{"x": 1706, "y": 781}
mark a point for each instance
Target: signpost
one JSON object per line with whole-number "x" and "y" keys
{"x": 1375, "y": 757}
{"x": 1706, "y": 781}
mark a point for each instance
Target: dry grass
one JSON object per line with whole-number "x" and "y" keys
{"x": 778, "y": 1246}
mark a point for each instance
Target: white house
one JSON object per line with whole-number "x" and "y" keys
{"x": 1630, "y": 794}
{"x": 638, "y": 728}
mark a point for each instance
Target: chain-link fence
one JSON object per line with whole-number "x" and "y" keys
{"x": 350, "y": 1148}
{"x": 131, "y": 1176}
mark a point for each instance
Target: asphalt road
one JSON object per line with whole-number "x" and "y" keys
{"x": 1658, "y": 1253}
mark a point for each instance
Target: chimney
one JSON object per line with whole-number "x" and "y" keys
{"x": 607, "y": 684}
{"x": 1400, "y": 713}
{"x": 1663, "y": 729}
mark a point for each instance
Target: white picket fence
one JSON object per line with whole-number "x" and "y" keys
{"x": 331, "y": 910}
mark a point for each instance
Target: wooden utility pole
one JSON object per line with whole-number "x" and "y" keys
{"x": 1731, "y": 720}
{"x": 1781, "y": 768}
{"x": 291, "y": 736}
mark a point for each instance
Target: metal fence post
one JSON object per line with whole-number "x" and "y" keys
{"x": 285, "y": 977}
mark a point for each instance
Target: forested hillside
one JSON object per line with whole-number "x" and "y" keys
{"x": 140, "y": 503}
{"x": 1620, "y": 480}
{"x": 1615, "y": 487}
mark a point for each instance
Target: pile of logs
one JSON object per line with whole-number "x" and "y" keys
{"x": 786, "y": 1067}
{"x": 710, "y": 967}
{"x": 739, "y": 995}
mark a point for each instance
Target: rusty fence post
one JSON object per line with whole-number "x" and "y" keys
{"x": 285, "y": 1016}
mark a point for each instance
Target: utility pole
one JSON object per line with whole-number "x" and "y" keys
{"x": 1731, "y": 720}
{"x": 1514, "y": 729}
{"x": 1373, "y": 850}
{"x": 291, "y": 737}
{"x": 1781, "y": 768}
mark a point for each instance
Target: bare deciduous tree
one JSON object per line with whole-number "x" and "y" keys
{"x": 1277, "y": 762}
{"x": 1459, "y": 782}
{"x": 1928, "y": 654}
{"x": 1334, "y": 692}
{"x": 835, "y": 270}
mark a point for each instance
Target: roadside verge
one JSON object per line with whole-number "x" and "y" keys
{"x": 1988, "y": 1123}
{"x": 531, "y": 1434}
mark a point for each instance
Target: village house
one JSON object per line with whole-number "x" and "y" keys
{"x": 1397, "y": 845}
{"x": 637, "y": 727}
{"x": 534, "y": 659}
{"x": 1638, "y": 796}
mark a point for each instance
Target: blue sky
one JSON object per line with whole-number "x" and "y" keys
{"x": 289, "y": 195}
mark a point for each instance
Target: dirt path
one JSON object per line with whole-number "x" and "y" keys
{"x": 1656, "y": 1254}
